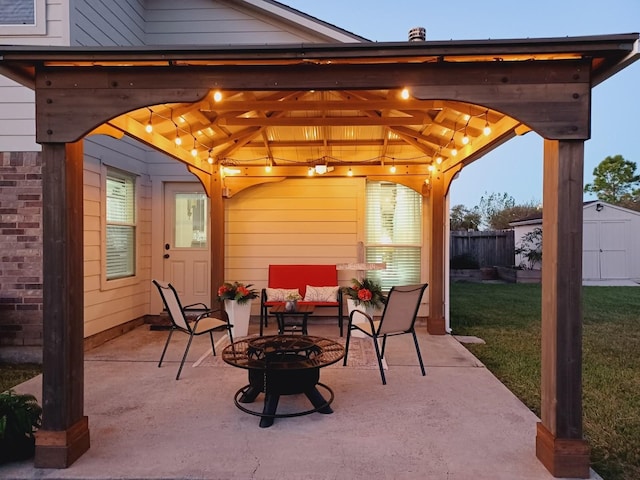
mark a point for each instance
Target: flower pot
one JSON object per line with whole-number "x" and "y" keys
{"x": 239, "y": 315}
{"x": 291, "y": 305}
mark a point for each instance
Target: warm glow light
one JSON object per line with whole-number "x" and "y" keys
{"x": 454, "y": 151}
{"x": 404, "y": 94}
{"x": 311, "y": 171}
{"x": 427, "y": 181}
{"x": 393, "y": 169}
{"x": 431, "y": 168}
{"x": 194, "y": 152}
{"x": 321, "y": 169}
{"x": 486, "y": 130}
{"x": 178, "y": 140}
{"x": 149, "y": 127}
{"x": 217, "y": 96}
{"x": 210, "y": 159}
{"x": 439, "y": 160}
{"x": 349, "y": 173}
{"x": 465, "y": 139}
{"x": 267, "y": 168}
{"x": 231, "y": 171}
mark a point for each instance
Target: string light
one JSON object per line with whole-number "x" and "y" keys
{"x": 210, "y": 158}
{"x": 487, "y": 129}
{"x": 194, "y": 150}
{"x": 404, "y": 94}
{"x": 311, "y": 171}
{"x": 217, "y": 96}
{"x": 393, "y": 166}
{"x": 349, "y": 173}
{"x": 149, "y": 127}
{"x": 267, "y": 167}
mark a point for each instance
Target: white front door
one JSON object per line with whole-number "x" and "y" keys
{"x": 186, "y": 242}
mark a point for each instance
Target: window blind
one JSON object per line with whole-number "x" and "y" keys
{"x": 393, "y": 233}
{"x": 121, "y": 228}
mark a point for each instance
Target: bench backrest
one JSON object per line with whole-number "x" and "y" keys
{"x": 299, "y": 276}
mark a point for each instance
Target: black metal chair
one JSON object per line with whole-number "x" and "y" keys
{"x": 398, "y": 318}
{"x": 201, "y": 324}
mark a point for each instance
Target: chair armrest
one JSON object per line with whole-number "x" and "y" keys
{"x": 191, "y": 307}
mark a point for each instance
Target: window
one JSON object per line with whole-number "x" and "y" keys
{"x": 393, "y": 233}
{"x": 22, "y": 17}
{"x": 121, "y": 225}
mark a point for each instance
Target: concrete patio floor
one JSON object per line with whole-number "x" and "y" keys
{"x": 456, "y": 423}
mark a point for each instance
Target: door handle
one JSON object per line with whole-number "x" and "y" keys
{"x": 166, "y": 255}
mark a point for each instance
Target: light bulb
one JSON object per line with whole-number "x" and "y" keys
{"x": 194, "y": 152}
{"x": 149, "y": 127}
{"x": 439, "y": 160}
{"x": 310, "y": 172}
{"x": 393, "y": 169}
{"x": 267, "y": 168}
{"x": 465, "y": 139}
{"x": 427, "y": 181}
{"x": 217, "y": 96}
{"x": 349, "y": 173}
{"x": 404, "y": 94}
{"x": 454, "y": 151}
{"x": 210, "y": 159}
{"x": 178, "y": 141}
{"x": 431, "y": 168}
{"x": 487, "y": 130}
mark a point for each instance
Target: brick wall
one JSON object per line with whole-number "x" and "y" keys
{"x": 20, "y": 249}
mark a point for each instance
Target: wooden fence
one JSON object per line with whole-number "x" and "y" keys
{"x": 489, "y": 248}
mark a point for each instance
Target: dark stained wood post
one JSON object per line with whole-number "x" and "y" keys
{"x": 64, "y": 435}
{"x": 559, "y": 442}
{"x": 436, "y": 320}
{"x": 217, "y": 232}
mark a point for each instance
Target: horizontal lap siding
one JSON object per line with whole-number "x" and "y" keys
{"x": 206, "y": 22}
{"x": 109, "y": 307}
{"x": 297, "y": 221}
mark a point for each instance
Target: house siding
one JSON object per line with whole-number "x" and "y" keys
{"x": 119, "y": 23}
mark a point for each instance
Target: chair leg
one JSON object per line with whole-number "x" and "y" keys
{"x": 165, "y": 347}
{"x": 340, "y": 319}
{"x": 184, "y": 357}
{"x": 346, "y": 345}
{"x": 213, "y": 345}
{"x": 379, "y": 355}
{"x": 384, "y": 345}
{"x": 415, "y": 340}
{"x": 230, "y": 332}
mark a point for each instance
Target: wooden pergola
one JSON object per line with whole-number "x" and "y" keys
{"x": 511, "y": 86}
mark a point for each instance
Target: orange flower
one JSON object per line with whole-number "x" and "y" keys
{"x": 364, "y": 295}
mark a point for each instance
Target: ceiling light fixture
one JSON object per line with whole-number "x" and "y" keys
{"x": 393, "y": 166}
{"x": 321, "y": 169}
{"x": 194, "y": 150}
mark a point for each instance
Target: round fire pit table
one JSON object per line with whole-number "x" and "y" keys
{"x": 283, "y": 365}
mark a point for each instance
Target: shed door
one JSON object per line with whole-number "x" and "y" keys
{"x": 604, "y": 250}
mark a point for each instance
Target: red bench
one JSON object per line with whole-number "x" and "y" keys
{"x": 297, "y": 277}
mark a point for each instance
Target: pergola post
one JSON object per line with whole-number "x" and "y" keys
{"x": 217, "y": 231}
{"x": 559, "y": 442}
{"x": 436, "y": 318}
{"x": 64, "y": 435}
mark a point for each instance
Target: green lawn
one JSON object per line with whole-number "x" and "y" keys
{"x": 12, "y": 375}
{"x": 507, "y": 317}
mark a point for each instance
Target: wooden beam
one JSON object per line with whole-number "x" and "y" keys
{"x": 436, "y": 319}
{"x": 64, "y": 435}
{"x": 560, "y": 445}
{"x": 283, "y": 121}
{"x": 217, "y": 232}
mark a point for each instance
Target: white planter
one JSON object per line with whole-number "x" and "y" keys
{"x": 351, "y": 306}
{"x": 239, "y": 317}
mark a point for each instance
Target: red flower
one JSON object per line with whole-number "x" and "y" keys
{"x": 364, "y": 294}
{"x": 222, "y": 290}
{"x": 242, "y": 290}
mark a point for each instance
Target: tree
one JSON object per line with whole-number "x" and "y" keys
{"x": 462, "y": 218}
{"x": 499, "y": 209}
{"x": 531, "y": 248}
{"x": 615, "y": 181}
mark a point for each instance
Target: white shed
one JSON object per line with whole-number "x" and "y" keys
{"x": 610, "y": 242}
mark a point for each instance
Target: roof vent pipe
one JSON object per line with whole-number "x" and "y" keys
{"x": 417, "y": 34}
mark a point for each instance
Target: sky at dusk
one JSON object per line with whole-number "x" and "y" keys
{"x": 515, "y": 167}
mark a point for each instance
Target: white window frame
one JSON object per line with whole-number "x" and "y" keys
{"x": 106, "y": 283}
{"x": 416, "y": 244}
{"x": 37, "y": 28}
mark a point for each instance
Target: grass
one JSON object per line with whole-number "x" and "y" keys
{"x": 507, "y": 317}
{"x": 14, "y": 374}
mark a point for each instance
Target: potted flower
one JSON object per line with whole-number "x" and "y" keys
{"x": 20, "y": 417}
{"x": 291, "y": 301}
{"x": 366, "y": 293}
{"x": 237, "y": 298}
